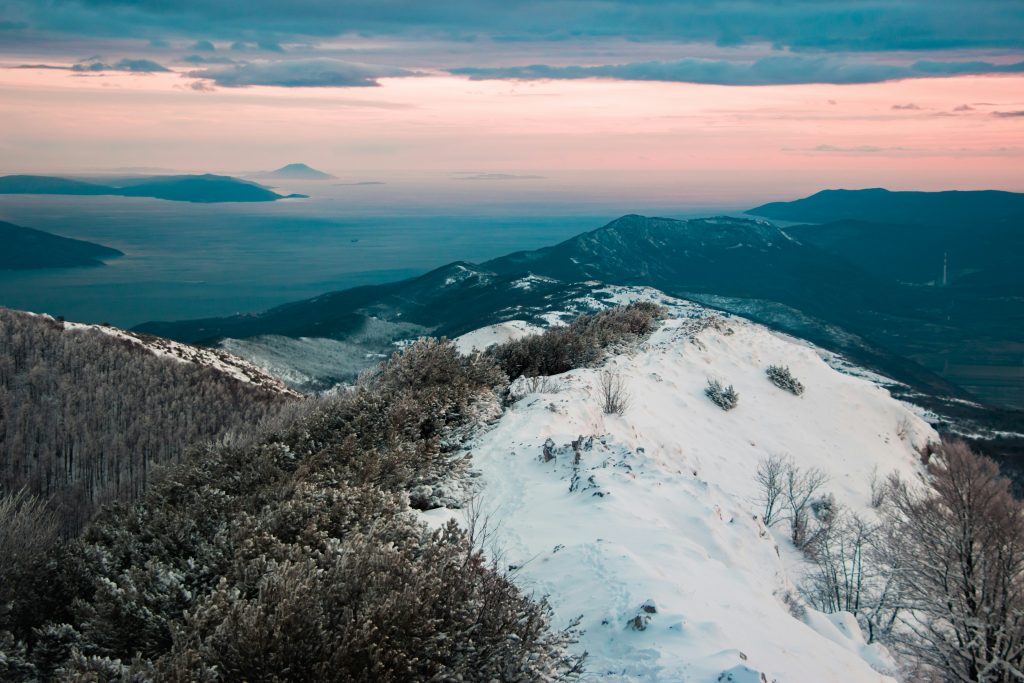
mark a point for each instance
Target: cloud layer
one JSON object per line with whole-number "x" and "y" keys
{"x": 783, "y": 70}
{"x": 797, "y": 24}
{"x": 299, "y": 73}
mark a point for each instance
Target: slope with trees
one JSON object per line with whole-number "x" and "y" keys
{"x": 85, "y": 416}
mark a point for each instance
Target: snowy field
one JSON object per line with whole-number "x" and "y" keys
{"x": 654, "y": 537}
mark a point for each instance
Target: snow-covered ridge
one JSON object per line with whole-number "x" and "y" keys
{"x": 219, "y": 360}
{"x": 653, "y": 536}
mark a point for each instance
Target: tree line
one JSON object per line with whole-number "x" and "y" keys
{"x": 85, "y": 416}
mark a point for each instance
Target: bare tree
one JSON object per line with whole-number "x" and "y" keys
{"x": 770, "y": 476}
{"x": 850, "y": 574}
{"x": 959, "y": 549}
{"x": 27, "y": 528}
{"x": 802, "y": 491}
{"x": 614, "y": 396}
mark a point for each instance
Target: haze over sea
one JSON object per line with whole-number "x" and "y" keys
{"x": 196, "y": 260}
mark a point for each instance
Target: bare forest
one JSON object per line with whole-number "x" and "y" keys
{"x": 85, "y": 416}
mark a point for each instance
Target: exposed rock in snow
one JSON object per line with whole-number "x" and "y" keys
{"x": 646, "y": 524}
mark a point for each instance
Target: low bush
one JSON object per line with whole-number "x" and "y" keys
{"x": 725, "y": 398}
{"x": 581, "y": 343}
{"x": 781, "y": 377}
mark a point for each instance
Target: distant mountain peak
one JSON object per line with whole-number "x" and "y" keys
{"x": 296, "y": 171}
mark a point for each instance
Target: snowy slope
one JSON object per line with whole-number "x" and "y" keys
{"x": 664, "y": 513}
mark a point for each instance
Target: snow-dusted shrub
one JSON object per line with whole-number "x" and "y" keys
{"x": 614, "y": 395}
{"x": 368, "y": 610}
{"x": 725, "y": 398}
{"x": 295, "y": 556}
{"x": 581, "y": 343}
{"x": 781, "y": 377}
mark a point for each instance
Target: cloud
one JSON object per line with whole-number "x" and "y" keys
{"x": 1008, "y": 114}
{"x": 203, "y": 59}
{"x": 204, "y": 46}
{"x": 782, "y": 70}
{"x": 299, "y": 73}
{"x": 859, "y": 149}
{"x": 498, "y": 176}
{"x": 94, "y": 65}
{"x": 825, "y": 25}
{"x": 910, "y": 106}
{"x": 964, "y": 107}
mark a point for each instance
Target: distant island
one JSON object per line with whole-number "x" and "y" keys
{"x": 28, "y": 249}
{"x": 204, "y": 189}
{"x": 294, "y": 172}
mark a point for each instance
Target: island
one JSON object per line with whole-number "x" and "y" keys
{"x": 205, "y": 189}
{"x": 28, "y": 249}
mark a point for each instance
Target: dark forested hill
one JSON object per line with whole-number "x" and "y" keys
{"x": 26, "y": 248}
{"x": 984, "y": 207}
{"x": 205, "y": 189}
{"x": 85, "y": 415}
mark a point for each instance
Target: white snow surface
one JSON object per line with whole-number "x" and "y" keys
{"x": 500, "y": 333}
{"x": 664, "y": 509}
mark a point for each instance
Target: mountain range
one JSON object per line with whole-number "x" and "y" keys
{"x": 870, "y": 289}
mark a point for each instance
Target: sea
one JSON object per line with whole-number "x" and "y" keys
{"x": 185, "y": 261}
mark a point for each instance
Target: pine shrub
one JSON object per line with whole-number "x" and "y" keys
{"x": 781, "y": 377}
{"x": 725, "y": 398}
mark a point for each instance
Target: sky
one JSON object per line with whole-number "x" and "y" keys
{"x": 736, "y": 98}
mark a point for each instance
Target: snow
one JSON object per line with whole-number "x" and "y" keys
{"x": 494, "y": 334}
{"x": 663, "y": 507}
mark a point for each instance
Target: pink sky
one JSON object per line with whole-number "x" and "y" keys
{"x": 733, "y": 141}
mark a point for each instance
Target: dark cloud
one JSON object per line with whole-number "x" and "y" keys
{"x": 269, "y": 46}
{"x": 139, "y": 66}
{"x": 910, "y": 106}
{"x": 1008, "y": 114}
{"x": 964, "y": 107}
{"x": 299, "y": 73}
{"x": 204, "y": 46}
{"x": 767, "y": 71}
{"x": 94, "y": 65}
{"x": 205, "y": 59}
{"x": 829, "y": 25}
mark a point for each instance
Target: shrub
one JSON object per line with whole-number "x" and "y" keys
{"x": 293, "y": 555}
{"x": 781, "y": 377}
{"x": 581, "y": 343}
{"x": 614, "y": 396}
{"x": 725, "y": 398}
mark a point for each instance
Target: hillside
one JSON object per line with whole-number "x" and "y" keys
{"x": 205, "y": 189}
{"x": 27, "y": 248}
{"x": 658, "y": 507}
{"x": 87, "y": 412}
{"x": 957, "y": 208}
